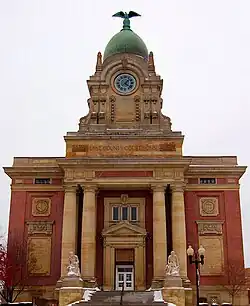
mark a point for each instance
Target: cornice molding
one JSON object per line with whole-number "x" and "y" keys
{"x": 74, "y": 136}
{"x": 204, "y": 187}
{"x": 220, "y": 170}
{"x": 39, "y": 188}
{"x": 17, "y": 172}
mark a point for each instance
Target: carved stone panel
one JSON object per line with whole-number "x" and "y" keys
{"x": 214, "y": 258}
{"x": 41, "y": 207}
{"x": 161, "y": 173}
{"x": 209, "y": 206}
{"x": 40, "y": 227}
{"x": 19, "y": 181}
{"x": 39, "y": 255}
{"x": 209, "y": 227}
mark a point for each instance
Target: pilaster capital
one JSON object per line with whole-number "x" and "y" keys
{"x": 178, "y": 187}
{"x": 70, "y": 188}
{"x": 158, "y": 187}
{"x": 89, "y": 188}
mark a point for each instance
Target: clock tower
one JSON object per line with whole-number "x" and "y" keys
{"x": 125, "y": 91}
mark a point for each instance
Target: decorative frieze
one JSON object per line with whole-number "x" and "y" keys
{"x": 19, "y": 181}
{"x": 209, "y": 227}
{"x": 161, "y": 173}
{"x": 41, "y": 207}
{"x": 209, "y": 206}
{"x": 69, "y": 174}
{"x": 79, "y": 174}
{"x": 125, "y": 173}
{"x": 232, "y": 180}
{"x": 40, "y": 227}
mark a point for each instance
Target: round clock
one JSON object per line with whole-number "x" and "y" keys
{"x": 125, "y": 83}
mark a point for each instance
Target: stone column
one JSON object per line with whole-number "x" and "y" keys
{"x": 69, "y": 227}
{"x": 108, "y": 267}
{"x": 140, "y": 263}
{"x": 179, "y": 227}
{"x": 88, "y": 242}
{"x": 159, "y": 232}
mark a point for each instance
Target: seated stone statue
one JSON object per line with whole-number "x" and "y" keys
{"x": 172, "y": 268}
{"x": 73, "y": 267}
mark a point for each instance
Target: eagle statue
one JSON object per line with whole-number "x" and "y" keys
{"x": 126, "y": 15}
{"x": 126, "y": 18}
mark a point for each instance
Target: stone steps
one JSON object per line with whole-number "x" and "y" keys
{"x": 130, "y": 298}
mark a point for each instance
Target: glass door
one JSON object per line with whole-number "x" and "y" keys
{"x": 125, "y": 277}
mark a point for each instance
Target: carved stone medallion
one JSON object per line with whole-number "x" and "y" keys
{"x": 209, "y": 206}
{"x": 41, "y": 207}
{"x": 124, "y": 198}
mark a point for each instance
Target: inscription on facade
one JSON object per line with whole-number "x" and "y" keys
{"x": 209, "y": 206}
{"x": 214, "y": 255}
{"x": 39, "y": 255}
{"x": 126, "y": 148}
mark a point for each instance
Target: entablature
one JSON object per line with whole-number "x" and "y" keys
{"x": 123, "y": 162}
{"x": 215, "y": 171}
{"x": 124, "y": 135}
{"x": 31, "y": 172}
{"x": 216, "y": 187}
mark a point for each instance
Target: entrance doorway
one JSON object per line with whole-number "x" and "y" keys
{"x": 125, "y": 276}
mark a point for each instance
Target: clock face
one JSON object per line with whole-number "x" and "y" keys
{"x": 125, "y": 83}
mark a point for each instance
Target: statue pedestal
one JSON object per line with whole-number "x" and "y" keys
{"x": 173, "y": 291}
{"x": 156, "y": 284}
{"x": 70, "y": 290}
{"x": 172, "y": 281}
{"x": 175, "y": 295}
{"x": 90, "y": 283}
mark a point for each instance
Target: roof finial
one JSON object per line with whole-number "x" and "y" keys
{"x": 151, "y": 64}
{"x": 99, "y": 62}
{"x": 126, "y": 17}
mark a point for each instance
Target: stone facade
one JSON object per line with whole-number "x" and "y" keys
{"x": 125, "y": 196}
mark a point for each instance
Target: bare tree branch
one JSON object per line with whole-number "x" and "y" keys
{"x": 236, "y": 279}
{"x": 13, "y": 268}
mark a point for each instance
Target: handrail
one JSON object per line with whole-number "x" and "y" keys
{"x": 122, "y": 292}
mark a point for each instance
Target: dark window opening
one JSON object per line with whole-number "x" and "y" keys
{"x": 124, "y": 213}
{"x": 115, "y": 213}
{"x": 133, "y": 213}
{"x": 207, "y": 180}
{"x": 43, "y": 181}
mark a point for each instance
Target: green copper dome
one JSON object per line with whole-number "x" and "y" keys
{"x": 126, "y": 41}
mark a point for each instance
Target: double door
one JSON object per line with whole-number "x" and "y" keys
{"x": 125, "y": 277}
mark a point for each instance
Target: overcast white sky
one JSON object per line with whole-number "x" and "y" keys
{"x": 202, "y": 51}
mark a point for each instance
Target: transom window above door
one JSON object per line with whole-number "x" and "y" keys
{"x": 125, "y": 213}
